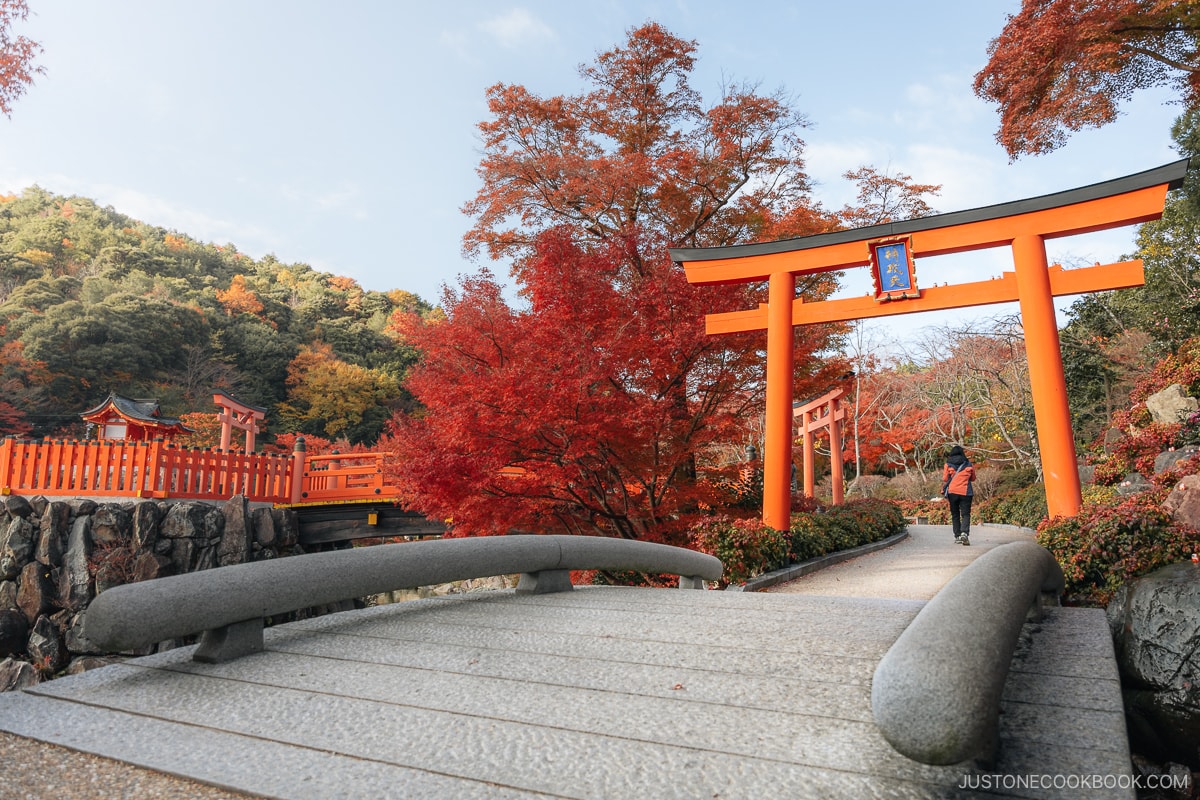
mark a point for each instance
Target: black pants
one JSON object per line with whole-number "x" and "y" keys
{"x": 960, "y": 513}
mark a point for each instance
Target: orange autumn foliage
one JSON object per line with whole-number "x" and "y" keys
{"x": 1060, "y": 66}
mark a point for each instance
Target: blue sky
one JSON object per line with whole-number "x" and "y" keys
{"x": 344, "y": 135}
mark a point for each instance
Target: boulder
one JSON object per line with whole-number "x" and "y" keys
{"x": 84, "y": 663}
{"x": 1155, "y": 622}
{"x": 54, "y": 529}
{"x": 75, "y": 635}
{"x": 35, "y": 590}
{"x": 81, "y": 506}
{"x": 287, "y": 528}
{"x": 1169, "y": 458}
{"x": 263, "y": 520}
{"x": 237, "y": 537}
{"x": 17, "y": 506}
{"x": 17, "y": 547}
{"x": 195, "y": 530}
{"x": 1183, "y": 503}
{"x": 14, "y": 631}
{"x": 1134, "y": 483}
{"x": 75, "y": 579}
{"x": 148, "y": 566}
{"x": 16, "y": 674}
{"x": 38, "y": 505}
{"x": 146, "y": 517}
{"x": 46, "y": 647}
{"x": 1171, "y": 405}
{"x": 196, "y": 521}
{"x": 111, "y": 525}
{"x": 8, "y": 595}
{"x": 1087, "y": 474}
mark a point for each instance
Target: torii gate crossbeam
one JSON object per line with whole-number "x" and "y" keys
{"x": 1023, "y": 226}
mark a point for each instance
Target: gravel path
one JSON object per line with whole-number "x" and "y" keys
{"x": 914, "y": 569}
{"x": 32, "y": 770}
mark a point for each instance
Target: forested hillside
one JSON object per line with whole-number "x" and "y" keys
{"x": 93, "y": 301}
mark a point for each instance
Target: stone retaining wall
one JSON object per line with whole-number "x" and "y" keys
{"x": 56, "y": 555}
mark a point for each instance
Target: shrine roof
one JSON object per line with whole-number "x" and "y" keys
{"x": 1171, "y": 174}
{"x": 145, "y": 411}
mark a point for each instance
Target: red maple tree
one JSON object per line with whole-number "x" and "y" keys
{"x": 1063, "y": 65}
{"x": 598, "y": 404}
{"x": 562, "y": 417}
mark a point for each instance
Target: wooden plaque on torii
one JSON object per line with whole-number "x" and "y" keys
{"x": 1023, "y": 226}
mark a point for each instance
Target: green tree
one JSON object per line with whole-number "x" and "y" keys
{"x": 332, "y": 398}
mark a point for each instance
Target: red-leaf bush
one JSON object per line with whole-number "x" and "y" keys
{"x": 1108, "y": 543}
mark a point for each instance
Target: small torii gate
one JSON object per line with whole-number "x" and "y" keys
{"x": 824, "y": 412}
{"x": 890, "y": 248}
{"x": 239, "y": 415}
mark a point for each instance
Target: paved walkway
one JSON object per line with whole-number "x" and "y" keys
{"x": 914, "y": 569}
{"x": 601, "y": 692}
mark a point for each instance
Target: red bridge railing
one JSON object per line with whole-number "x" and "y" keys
{"x": 113, "y": 468}
{"x": 343, "y": 478}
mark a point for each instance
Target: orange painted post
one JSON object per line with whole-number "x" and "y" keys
{"x": 1046, "y": 381}
{"x": 835, "y": 452}
{"x": 298, "y": 459}
{"x": 777, "y": 460}
{"x": 69, "y": 469}
{"x": 6, "y": 453}
{"x": 155, "y": 477}
{"x": 810, "y": 467}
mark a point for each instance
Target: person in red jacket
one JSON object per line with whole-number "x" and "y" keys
{"x": 958, "y": 478}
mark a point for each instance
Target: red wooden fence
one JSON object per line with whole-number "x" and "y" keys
{"x": 114, "y": 468}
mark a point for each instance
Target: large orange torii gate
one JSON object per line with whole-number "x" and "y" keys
{"x": 889, "y": 249}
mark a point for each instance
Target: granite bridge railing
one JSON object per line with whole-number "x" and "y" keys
{"x": 936, "y": 693}
{"x": 228, "y": 606}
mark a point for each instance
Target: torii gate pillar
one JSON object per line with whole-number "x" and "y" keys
{"x": 781, "y": 364}
{"x": 890, "y": 249}
{"x": 1047, "y": 383}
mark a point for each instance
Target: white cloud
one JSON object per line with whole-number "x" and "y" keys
{"x": 345, "y": 199}
{"x": 517, "y": 28}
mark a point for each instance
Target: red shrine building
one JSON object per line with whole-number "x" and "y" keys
{"x": 121, "y": 417}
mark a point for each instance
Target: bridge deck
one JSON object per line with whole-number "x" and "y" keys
{"x": 602, "y": 692}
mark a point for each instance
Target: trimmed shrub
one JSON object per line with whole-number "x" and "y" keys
{"x": 746, "y": 547}
{"x": 1026, "y": 508}
{"x": 856, "y": 523}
